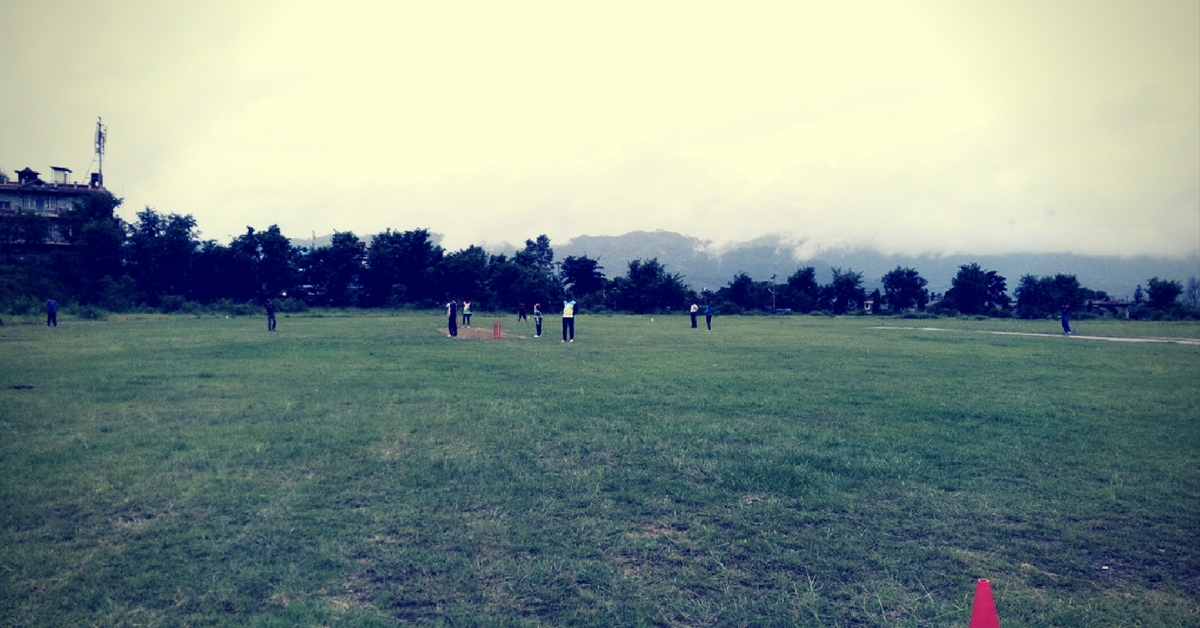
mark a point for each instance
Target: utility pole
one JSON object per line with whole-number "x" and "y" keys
{"x": 773, "y": 310}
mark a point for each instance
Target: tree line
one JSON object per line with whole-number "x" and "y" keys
{"x": 159, "y": 262}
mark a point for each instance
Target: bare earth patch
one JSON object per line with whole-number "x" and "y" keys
{"x": 481, "y": 333}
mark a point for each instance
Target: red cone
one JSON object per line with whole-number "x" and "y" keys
{"x": 983, "y": 612}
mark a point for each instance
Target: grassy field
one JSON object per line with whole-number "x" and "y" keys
{"x": 365, "y": 470}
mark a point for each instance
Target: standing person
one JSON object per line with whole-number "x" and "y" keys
{"x": 1066, "y": 318}
{"x": 694, "y": 310}
{"x": 521, "y": 313}
{"x": 708, "y": 315}
{"x": 51, "y": 313}
{"x": 270, "y": 314}
{"x": 466, "y": 313}
{"x": 537, "y": 319}
{"x": 568, "y": 321}
{"x": 452, "y": 317}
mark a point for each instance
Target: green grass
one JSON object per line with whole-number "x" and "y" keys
{"x": 365, "y": 470}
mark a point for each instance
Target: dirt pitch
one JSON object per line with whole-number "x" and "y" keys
{"x": 481, "y": 333}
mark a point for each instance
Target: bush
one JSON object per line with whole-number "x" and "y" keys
{"x": 192, "y": 307}
{"x": 87, "y": 312}
{"x": 727, "y": 309}
{"x": 292, "y": 305}
{"x": 24, "y": 306}
{"x": 234, "y": 308}
{"x": 118, "y": 296}
{"x": 171, "y": 303}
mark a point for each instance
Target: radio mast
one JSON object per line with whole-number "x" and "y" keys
{"x": 101, "y": 135}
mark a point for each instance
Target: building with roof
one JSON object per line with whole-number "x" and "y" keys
{"x": 32, "y": 195}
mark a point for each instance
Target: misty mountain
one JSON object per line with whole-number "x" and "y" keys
{"x": 701, "y": 265}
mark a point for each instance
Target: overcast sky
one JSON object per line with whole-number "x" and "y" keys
{"x": 909, "y": 127}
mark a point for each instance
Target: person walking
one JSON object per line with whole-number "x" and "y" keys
{"x": 695, "y": 309}
{"x": 708, "y": 315}
{"x": 51, "y": 313}
{"x": 1066, "y": 318}
{"x": 452, "y": 317}
{"x": 466, "y": 313}
{"x": 537, "y": 319}
{"x": 568, "y": 320}
{"x": 270, "y": 314}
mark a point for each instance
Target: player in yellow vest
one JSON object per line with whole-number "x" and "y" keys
{"x": 568, "y": 320}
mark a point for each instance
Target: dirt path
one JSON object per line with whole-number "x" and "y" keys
{"x": 1150, "y": 339}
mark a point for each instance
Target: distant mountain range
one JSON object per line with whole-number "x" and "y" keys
{"x": 703, "y": 266}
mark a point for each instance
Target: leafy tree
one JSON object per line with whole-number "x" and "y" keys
{"x": 1191, "y": 294}
{"x": 1162, "y": 294}
{"x": 242, "y": 266}
{"x": 876, "y": 298}
{"x": 535, "y": 280}
{"x": 96, "y": 236}
{"x": 647, "y": 287}
{"x": 802, "y": 293}
{"x": 976, "y": 291}
{"x": 22, "y": 231}
{"x": 277, "y": 263}
{"x": 1034, "y": 299}
{"x": 514, "y": 281}
{"x": 1044, "y": 297}
{"x": 844, "y": 292}
{"x": 582, "y": 276}
{"x": 746, "y": 294}
{"x": 402, "y": 267}
{"x": 159, "y": 254}
{"x": 265, "y": 263}
{"x": 117, "y": 296}
{"x": 334, "y": 271}
{"x": 465, "y": 273}
{"x": 904, "y": 288}
{"x": 218, "y": 273}
{"x": 538, "y": 254}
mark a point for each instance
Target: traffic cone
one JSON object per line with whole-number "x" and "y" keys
{"x": 983, "y": 612}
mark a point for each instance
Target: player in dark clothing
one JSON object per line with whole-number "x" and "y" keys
{"x": 270, "y": 315}
{"x": 452, "y": 318}
{"x": 51, "y": 313}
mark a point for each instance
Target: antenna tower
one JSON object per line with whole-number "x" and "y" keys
{"x": 101, "y": 136}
